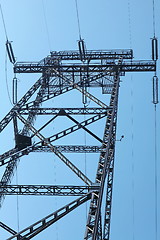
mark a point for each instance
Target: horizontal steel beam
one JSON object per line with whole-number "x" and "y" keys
{"x": 47, "y": 190}
{"x": 71, "y": 149}
{"x": 133, "y": 66}
{"x": 91, "y": 54}
{"x": 60, "y": 148}
{"x": 60, "y": 111}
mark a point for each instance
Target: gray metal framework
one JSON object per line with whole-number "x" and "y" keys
{"x": 128, "y": 66}
{"x": 62, "y": 72}
{"x": 47, "y": 190}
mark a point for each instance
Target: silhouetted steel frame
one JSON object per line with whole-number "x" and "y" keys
{"x": 51, "y": 67}
{"x": 9, "y": 171}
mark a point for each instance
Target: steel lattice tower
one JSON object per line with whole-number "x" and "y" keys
{"x": 62, "y": 73}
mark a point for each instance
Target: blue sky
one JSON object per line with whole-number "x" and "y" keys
{"x": 104, "y": 25}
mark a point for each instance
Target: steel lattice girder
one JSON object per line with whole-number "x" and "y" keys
{"x": 90, "y": 55}
{"x": 41, "y": 97}
{"x": 60, "y": 111}
{"x": 47, "y": 190}
{"x": 61, "y": 148}
{"x": 133, "y": 66}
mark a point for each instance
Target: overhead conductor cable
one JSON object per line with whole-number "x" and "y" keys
{"x": 155, "y": 102}
{"x": 8, "y": 43}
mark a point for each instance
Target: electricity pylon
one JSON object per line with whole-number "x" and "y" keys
{"x": 62, "y": 73}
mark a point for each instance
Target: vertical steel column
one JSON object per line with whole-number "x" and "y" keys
{"x": 92, "y": 229}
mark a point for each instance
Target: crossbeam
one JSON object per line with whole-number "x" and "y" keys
{"x": 133, "y": 66}
{"x": 61, "y": 148}
{"x": 91, "y": 54}
{"x": 71, "y": 149}
{"x": 59, "y": 111}
{"x": 47, "y": 190}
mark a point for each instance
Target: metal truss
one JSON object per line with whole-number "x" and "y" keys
{"x": 90, "y": 55}
{"x": 72, "y": 149}
{"x": 136, "y": 66}
{"x": 15, "y": 153}
{"x": 47, "y": 190}
{"x": 41, "y": 148}
{"x": 63, "y": 111}
{"x": 56, "y": 87}
{"x": 60, "y": 76}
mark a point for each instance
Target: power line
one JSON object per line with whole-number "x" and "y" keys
{"x": 132, "y": 163}
{"x": 4, "y": 25}
{"x": 78, "y": 19}
{"x": 45, "y": 20}
{"x": 6, "y": 78}
{"x": 17, "y": 201}
{"x": 156, "y": 178}
{"x": 129, "y": 20}
{"x": 154, "y": 22}
{"x": 132, "y": 132}
{"x": 155, "y": 102}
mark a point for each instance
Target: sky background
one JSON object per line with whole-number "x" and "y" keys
{"x": 36, "y": 27}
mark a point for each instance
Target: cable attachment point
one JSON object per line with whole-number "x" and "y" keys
{"x": 10, "y": 52}
{"x": 82, "y": 49}
{"x": 154, "y": 49}
{"x": 119, "y": 140}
